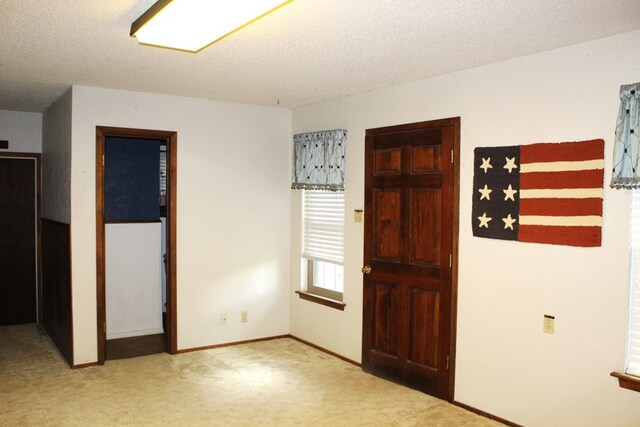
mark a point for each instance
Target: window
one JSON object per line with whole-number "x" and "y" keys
{"x": 632, "y": 365}
{"x": 323, "y": 242}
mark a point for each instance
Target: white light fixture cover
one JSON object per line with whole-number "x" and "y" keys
{"x": 194, "y": 24}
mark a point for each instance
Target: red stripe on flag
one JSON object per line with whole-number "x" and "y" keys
{"x": 571, "y": 236}
{"x": 565, "y": 179}
{"x": 562, "y": 152}
{"x": 561, "y": 207}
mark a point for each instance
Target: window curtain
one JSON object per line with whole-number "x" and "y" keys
{"x": 626, "y": 149}
{"x": 318, "y": 160}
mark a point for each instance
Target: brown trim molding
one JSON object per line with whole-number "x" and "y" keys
{"x": 485, "y": 414}
{"x": 324, "y": 350}
{"x": 328, "y": 302}
{"x": 230, "y": 344}
{"x": 172, "y": 164}
{"x": 276, "y": 337}
{"x": 629, "y": 382}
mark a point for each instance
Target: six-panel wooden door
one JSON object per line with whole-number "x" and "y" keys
{"x": 410, "y": 240}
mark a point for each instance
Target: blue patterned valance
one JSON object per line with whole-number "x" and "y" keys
{"x": 318, "y": 160}
{"x": 626, "y": 149}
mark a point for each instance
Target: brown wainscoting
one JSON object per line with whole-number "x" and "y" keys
{"x": 125, "y": 348}
{"x": 486, "y": 414}
{"x": 56, "y": 285}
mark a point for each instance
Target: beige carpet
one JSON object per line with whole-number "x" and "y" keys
{"x": 275, "y": 383}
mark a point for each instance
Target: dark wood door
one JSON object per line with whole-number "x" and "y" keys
{"x": 410, "y": 245}
{"x": 18, "y": 245}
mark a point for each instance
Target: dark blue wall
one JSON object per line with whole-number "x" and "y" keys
{"x": 132, "y": 183}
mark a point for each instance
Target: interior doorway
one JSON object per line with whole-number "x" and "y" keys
{"x": 410, "y": 254}
{"x": 124, "y": 220}
{"x": 20, "y": 290}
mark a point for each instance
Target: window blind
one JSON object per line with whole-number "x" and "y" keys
{"x": 163, "y": 171}
{"x": 633, "y": 340}
{"x": 323, "y": 226}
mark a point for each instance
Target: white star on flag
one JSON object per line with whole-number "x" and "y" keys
{"x": 484, "y": 220}
{"x": 508, "y": 222}
{"x": 486, "y": 191}
{"x": 510, "y": 164}
{"x": 486, "y": 164}
{"x": 509, "y": 193}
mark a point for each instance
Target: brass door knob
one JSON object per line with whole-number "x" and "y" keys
{"x": 366, "y": 269}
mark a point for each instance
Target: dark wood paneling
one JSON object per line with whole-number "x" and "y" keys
{"x": 19, "y": 237}
{"x": 56, "y": 285}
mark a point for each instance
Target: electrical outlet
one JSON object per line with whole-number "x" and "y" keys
{"x": 223, "y": 319}
{"x": 244, "y": 316}
{"x": 549, "y": 324}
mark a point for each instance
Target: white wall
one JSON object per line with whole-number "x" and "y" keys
{"x": 133, "y": 279}
{"x": 22, "y": 130}
{"x": 232, "y": 215}
{"x": 505, "y": 364}
{"x": 56, "y": 160}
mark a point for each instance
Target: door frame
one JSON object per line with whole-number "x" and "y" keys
{"x": 172, "y": 315}
{"x": 454, "y": 123}
{"x": 38, "y": 158}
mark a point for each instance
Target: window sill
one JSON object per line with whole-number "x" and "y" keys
{"x": 629, "y": 382}
{"x": 338, "y": 305}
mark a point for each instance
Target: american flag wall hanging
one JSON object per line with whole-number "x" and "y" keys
{"x": 540, "y": 193}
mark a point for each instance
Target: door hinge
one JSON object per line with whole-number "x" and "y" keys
{"x": 447, "y": 363}
{"x": 452, "y": 156}
{"x": 103, "y": 160}
{"x": 104, "y": 327}
{"x": 450, "y": 260}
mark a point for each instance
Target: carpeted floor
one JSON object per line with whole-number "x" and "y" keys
{"x": 273, "y": 383}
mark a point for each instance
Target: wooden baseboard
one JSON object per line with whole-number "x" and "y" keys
{"x": 485, "y": 414}
{"x": 209, "y": 347}
{"x": 324, "y": 350}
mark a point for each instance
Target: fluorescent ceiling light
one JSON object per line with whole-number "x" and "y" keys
{"x": 194, "y": 24}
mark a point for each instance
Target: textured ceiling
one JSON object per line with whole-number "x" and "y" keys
{"x": 305, "y": 52}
